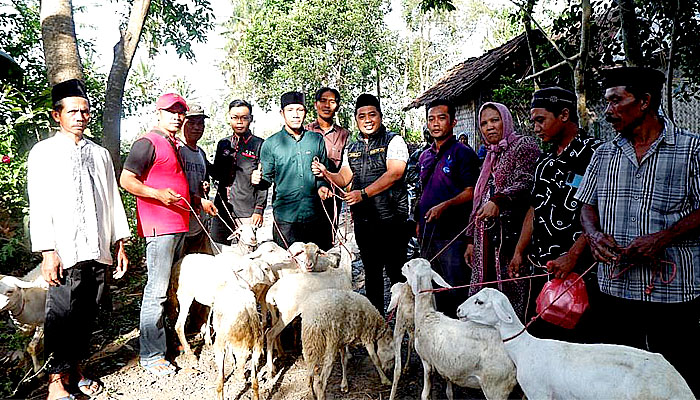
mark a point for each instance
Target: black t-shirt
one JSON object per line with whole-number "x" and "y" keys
{"x": 557, "y": 214}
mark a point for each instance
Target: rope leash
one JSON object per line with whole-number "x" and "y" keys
{"x": 654, "y": 273}
{"x": 438, "y": 290}
{"x": 214, "y": 246}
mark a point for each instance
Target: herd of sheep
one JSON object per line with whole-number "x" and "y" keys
{"x": 254, "y": 293}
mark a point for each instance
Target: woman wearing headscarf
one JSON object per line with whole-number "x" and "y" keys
{"x": 501, "y": 200}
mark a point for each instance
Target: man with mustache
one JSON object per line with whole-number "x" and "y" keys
{"x": 155, "y": 174}
{"x": 375, "y": 164}
{"x": 197, "y": 169}
{"x": 76, "y": 215}
{"x": 552, "y": 233}
{"x": 335, "y": 136}
{"x": 641, "y": 214}
{"x": 285, "y": 160}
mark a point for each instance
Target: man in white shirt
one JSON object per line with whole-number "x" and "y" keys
{"x": 76, "y": 214}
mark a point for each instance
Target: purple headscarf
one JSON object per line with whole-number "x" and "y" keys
{"x": 509, "y": 136}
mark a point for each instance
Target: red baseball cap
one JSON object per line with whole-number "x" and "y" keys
{"x": 170, "y": 99}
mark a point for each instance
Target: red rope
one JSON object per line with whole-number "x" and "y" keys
{"x": 482, "y": 283}
{"x": 655, "y": 271}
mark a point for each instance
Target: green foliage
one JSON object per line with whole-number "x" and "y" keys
{"x": 177, "y": 24}
{"x": 303, "y": 45}
{"x": 135, "y": 246}
{"x": 517, "y": 97}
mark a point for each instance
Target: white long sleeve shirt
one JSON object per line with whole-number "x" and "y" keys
{"x": 74, "y": 202}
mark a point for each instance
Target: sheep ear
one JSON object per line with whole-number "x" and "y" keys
{"x": 501, "y": 312}
{"x": 438, "y": 279}
{"x": 394, "y": 300}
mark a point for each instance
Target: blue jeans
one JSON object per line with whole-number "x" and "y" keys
{"x": 161, "y": 253}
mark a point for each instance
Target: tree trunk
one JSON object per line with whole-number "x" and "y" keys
{"x": 630, "y": 32}
{"x": 123, "y": 56}
{"x": 60, "y": 45}
{"x": 581, "y": 64}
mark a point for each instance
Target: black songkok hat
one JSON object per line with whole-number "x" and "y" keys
{"x": 641, "y": 77}
{"x": 292, "y": 98}
{"x": 554, "y": 98}
{"x": 367, "y": 99}
{"x": 69, "y": 88}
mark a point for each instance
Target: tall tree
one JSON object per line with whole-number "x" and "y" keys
{"x": 170, "y": 23}
{"x": 58, "y": 34}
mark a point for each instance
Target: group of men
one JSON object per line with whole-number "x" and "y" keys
{"x": 632, "y": 204}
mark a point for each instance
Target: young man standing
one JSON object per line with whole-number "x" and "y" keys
{"x": 335, "y": 136}
{"x": 641, "y": 214}
{"x": 76, "y": 214}
{"x": 285, "y": 160}
{"x": 375, "y": 164}
{"x": 448, "y": 172}
{"x": 236, "y": 158}
{"x": 155, "y": 174}
{"x": 197, "y": 171}
{"x": 552, "y": 228}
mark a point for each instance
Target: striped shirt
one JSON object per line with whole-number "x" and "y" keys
{"x": 640, "y": 198}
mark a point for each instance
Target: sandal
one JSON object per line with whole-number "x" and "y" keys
{"x": 88, "y": 388}
{"x": 160, "y": 367}
{"x": 69, "y": 397}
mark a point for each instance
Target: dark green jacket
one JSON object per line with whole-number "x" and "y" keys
{"x": 286, "y": 163}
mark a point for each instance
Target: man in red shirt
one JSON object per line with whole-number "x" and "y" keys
{"x": 154, "y": 173}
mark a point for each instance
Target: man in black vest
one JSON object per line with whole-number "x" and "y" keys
{"x": 375, "y": 164}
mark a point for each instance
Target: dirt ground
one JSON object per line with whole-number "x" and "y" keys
{"x": 115, "y": 363}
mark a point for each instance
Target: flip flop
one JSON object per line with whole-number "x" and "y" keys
{"x": 69, "y": 397}
{"x": 86, "y": 383}
{"x": 160, "y": 367}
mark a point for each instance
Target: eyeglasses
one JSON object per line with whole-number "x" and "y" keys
{"x": 244, "y": 118}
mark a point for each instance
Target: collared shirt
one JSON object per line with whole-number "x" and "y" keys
{"x": 336, "y": 139}
{"x": 444, "y": 174}
{"x": 286, "y": 163}
{"x": 235, "y": 160}
{"x": 640, "y": 198}
{"x": 557, "y": 223}
{"x": 74, "y": 202}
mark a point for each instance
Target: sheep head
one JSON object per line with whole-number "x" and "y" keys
{"x": 488, "y": 307}
{"x": 418, "y": 273}
{"x": 245, "y": 235}
{"x": 385, "y": 350}
{"x": 10, "y": 294}
{"x": 395, "y": 295}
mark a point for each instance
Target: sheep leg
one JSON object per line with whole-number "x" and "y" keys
{"x": 373, "y": 356}
{"x": 448, "y": 390}
{"x": 180, "y": 323}
{"x": 33, "y": 345}
{"x": 344, "y": 365}
{"x": 322, "y": 381}
{"x": 254, "y": 372}
{"x": 270, "y": 338}
{"x": 398, "y": 337}
{"x": 220, "y": 357}
{"x": 241, "y": 353}
{"x": 425, "y": 394}
{"x": 408, "y": 351}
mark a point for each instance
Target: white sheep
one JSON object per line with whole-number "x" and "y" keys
{"x": 552, "y": 369}
{"x": 200, "y": 276}
{"x": 286, "y": 296}
{"x": 25, "y": 300}
{"x": 464, "y": 353}
{"x": 237, "y": 325}
{"x": 245, "y": 239}
{"x": 333, "y": 319}
{"x": 402, "y": 303}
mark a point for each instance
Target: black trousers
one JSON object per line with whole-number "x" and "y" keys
{"x": 668, "y": 328}
{"x": 71, "y": 310}
{"x": 315, "y": 231}
{"x": 383, "y": 246}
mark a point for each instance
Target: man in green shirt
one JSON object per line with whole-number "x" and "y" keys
{"x": 285, "y": 160}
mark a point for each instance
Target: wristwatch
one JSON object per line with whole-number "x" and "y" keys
{"x": 364, "y": 194}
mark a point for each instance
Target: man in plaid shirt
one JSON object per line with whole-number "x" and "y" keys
{"x": 641, "y": 213}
